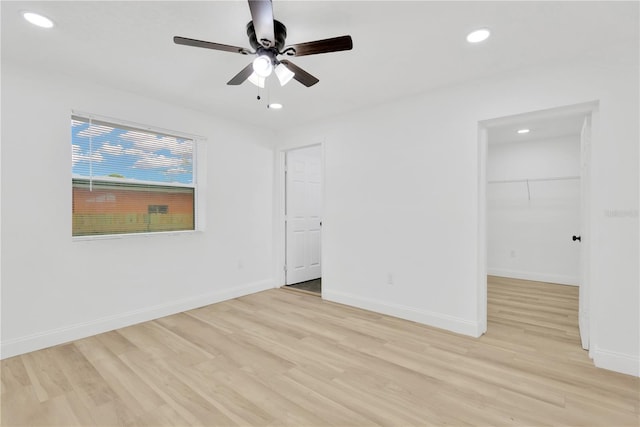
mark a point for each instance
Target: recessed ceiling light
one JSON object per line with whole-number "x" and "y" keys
{"x": 523, "y": 130}
{"x": 39, "y": 20}
{"x": 275, "y": 106}
{"x": 478, "y": 35}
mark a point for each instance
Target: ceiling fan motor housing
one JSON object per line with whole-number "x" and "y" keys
{"x": 280, "y": 34}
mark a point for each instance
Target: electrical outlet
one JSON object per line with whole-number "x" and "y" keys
{"x": 389, "y": 278}
{"x": 240, "y": 264}
{"x": 513, "y": 253}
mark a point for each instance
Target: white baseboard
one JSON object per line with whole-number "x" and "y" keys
{"x": 614, "y": 361}
{"x": 40, "y": 340}
{"x": 438, "y": 320}
{"x": 538, "y": 277}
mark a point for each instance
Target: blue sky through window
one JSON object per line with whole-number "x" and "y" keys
{"x": 101, "y": 150}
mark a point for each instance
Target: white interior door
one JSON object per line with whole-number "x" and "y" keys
{"x": 585, "y": 148}
{"x": 303, "y": 214}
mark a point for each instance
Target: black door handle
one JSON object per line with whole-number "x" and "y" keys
{"x": 578, "y": 238}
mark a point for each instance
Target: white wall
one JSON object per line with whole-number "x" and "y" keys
{"x": 401, "y": 199}
{"x": 401, "y": 206}
{"x": 55, "y": 289}
{"x": 530, "y": 225}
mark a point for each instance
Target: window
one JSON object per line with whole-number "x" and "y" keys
{"x": 130, "y": 180}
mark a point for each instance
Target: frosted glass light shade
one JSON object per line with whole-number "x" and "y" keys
{"x": 262, "y": 66}
{"x": 257, "y": 80}
{"x": 284, "y": 74}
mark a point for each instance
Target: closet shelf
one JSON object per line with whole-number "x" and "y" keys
{"x": 554, "y": 178}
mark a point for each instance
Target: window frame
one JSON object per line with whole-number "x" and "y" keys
{"x": 197, "y": 140}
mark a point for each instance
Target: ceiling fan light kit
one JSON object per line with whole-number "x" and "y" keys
{"x": 256, "y": 80}
{"x": 284, "y": 74}
{"x": 262, "y": 66}
{"x": 267, "y": 37}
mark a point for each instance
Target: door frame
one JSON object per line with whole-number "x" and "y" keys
{"x": 588, "y": 109}
{"x": 280, "y": 230}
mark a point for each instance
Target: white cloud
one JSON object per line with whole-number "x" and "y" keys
{"x": 181, "y": 148}
{"x": 143, "y": 140}
{"x": 95, "y": 157}
{"x": 75, "y": 153}
{"x": 134, "y": 152}
{"x": 78, "y": 156}
{"x": 114, "y": 150}
{"x": 94, "y": 130}
{"x": 150, "y": 142}
{"x": 175, "y": 171}
{"x": 154, "y": 161}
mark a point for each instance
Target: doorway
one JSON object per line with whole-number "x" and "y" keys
{"x": 534, "y": 210}
{"x": 303, "y": 218}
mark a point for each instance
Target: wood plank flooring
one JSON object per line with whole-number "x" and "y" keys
{"x": 286, "y": 358}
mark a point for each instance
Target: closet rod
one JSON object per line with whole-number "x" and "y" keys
{"x": 556, "y": 178}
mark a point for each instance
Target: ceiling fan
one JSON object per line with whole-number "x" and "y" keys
{"x": 267, "y": 38}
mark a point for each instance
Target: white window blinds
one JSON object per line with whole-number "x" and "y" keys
{"x": 130, "y": 180}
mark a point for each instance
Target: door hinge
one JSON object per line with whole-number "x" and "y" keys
{"x": 285, "y": 267}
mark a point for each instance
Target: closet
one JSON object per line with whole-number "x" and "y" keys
{"x": 533, "y": 209}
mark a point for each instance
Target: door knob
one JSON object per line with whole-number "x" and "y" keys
{"x": 578, "y": 238}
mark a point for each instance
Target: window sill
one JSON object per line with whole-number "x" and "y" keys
{"x": 133, "y": 235}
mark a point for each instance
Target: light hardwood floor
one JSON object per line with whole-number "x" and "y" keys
{"x": 285, "y": 358}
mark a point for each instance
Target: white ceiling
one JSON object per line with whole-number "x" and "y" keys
{"x": 400, "y": 48}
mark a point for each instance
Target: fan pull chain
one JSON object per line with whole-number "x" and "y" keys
{"x": 268, "y": 94}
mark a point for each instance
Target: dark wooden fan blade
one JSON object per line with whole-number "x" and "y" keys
{"x": 301, "y": 75}
{"x": 210, "y": 45}
{"x": 243, "y": 75}
{"x": 334, "y": 44}
{"x": 262, "y": 16}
